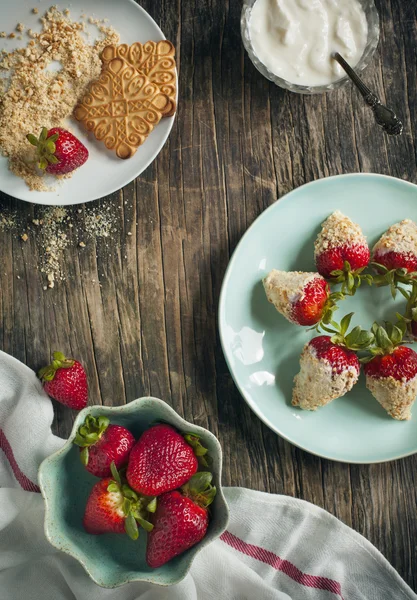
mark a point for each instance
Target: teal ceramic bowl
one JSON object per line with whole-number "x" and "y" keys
{"x": 113, "y": 560}
{"x": 263, "y": 349}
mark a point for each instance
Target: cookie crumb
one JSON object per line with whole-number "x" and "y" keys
{"x": 12, "y": 35}
{"x": 82, "y": 245}
{"x": 24, "y": 237}
{"x": 35, "y": 10}
{"x": 3, "y": 34}
{"x": 20, "y": 27}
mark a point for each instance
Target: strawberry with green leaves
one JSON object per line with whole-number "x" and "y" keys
{"x": 342, "y": 253}
{"x": 394, "y": 256}
{"x": 181, "y": 520}
{"x": 102, "y": 444}
{"x": 58, "y": 151}
{"x": 65, "y": 381}
{"x": 329, "y": 366}
{"x": 391, "y": 371}
{"x": 113, "y": 507}
{"x": 302, "y": 298}
{"x": 163, "y": 460}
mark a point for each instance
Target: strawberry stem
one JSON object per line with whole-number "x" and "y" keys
{"x": 350, "y": 280}
{"x": 358, "y": 339}
{"x": 59, "y": 362}
{"x": 199, "y": 450}
{"x": 89, "y": 433}
{"x": 45, "y": 148}
{"x": 134, "y": 506}
{"x": 386, "y": 339}
{"x": 199, "y": 489}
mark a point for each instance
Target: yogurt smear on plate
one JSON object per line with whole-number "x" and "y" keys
{"x": 295, "y": 39}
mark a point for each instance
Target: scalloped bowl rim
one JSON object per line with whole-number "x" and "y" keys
{"x": 131, "y": 407}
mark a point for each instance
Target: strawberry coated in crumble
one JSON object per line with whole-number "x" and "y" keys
{"x": 300, "y": 297}
{"x": 340, "y": 240}
{"x": 397, "y": 248}
{"x": 327, "y": 372}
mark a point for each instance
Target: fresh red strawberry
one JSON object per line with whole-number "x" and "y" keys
{"x": 113, "y": 507}
{"x": 342, "y": 253}
{"x": 391, "y": 371}
{"x": 162, "y": 460}
{"x": 102, "y": 444}
{"x": 329, "y": 367}
{"x": 180, "y": 521}
{"x": 302, "y": 298}
{"x": 58, "y": 151}
{"x": 65, "y": 381}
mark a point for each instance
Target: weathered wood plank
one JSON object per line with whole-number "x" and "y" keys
{"x": 139, "y": 307}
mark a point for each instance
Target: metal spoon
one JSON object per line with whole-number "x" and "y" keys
{"x": 385, "y": 117}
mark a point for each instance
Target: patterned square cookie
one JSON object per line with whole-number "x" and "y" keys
{"x": 122, "y": 107}
{"x": 156, "y": 60}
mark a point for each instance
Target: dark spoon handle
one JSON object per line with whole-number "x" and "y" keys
{"x": 385, "y": 117}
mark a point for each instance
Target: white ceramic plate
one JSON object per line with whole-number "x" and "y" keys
{"x": 263, "y": 349}
{"x": 103, "y": 173}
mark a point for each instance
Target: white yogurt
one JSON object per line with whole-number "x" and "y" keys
{"x": 295, "y": 39}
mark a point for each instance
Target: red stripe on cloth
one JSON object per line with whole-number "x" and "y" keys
{"x": 25, "y": 483}
{"x": 271, "y": 559}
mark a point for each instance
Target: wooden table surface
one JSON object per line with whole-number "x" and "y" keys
{"x": 139, "y": 308}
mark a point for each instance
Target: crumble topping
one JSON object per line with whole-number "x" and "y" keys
{"x": 338, "y": 230}
{"x": 400, "y": 237}
{"x": 396, "y": 397}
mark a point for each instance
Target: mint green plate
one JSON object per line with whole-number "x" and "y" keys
{"x": 113, "y": 560}
{"x": 262, "y": 349}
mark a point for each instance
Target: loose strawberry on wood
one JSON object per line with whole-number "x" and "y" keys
{"x": 181, "y": 520}
{"x": 113, "y": 507}
{"x": 391, "y": 371}
{"x": 329, "y": 367}
{"x": 102, "y": 444}
{"x": 65, "y": 381}
{"x": 162, "y": 460}
{"x": 342, "y": 253}
{"x": 58, "y": 151}
{"x": 302, "y": 298}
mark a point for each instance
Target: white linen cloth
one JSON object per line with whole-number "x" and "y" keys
{"x": 276, "y": 547}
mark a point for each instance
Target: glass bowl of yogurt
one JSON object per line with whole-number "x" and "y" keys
{"x": 291, "y": 42}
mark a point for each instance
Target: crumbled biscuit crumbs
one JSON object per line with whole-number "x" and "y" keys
{"x": 39, "y": 98}
{"x": 400, "y": 237}
{"x": 12, "y": 35}
{"x": 56, "y": 229}
{"x": 35, "y": 11}
{"x": 20, "y": 27}
{"x": 3, "y": 34}
{"x": 338, "y": 230}
{"x": 7, "y": 220}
